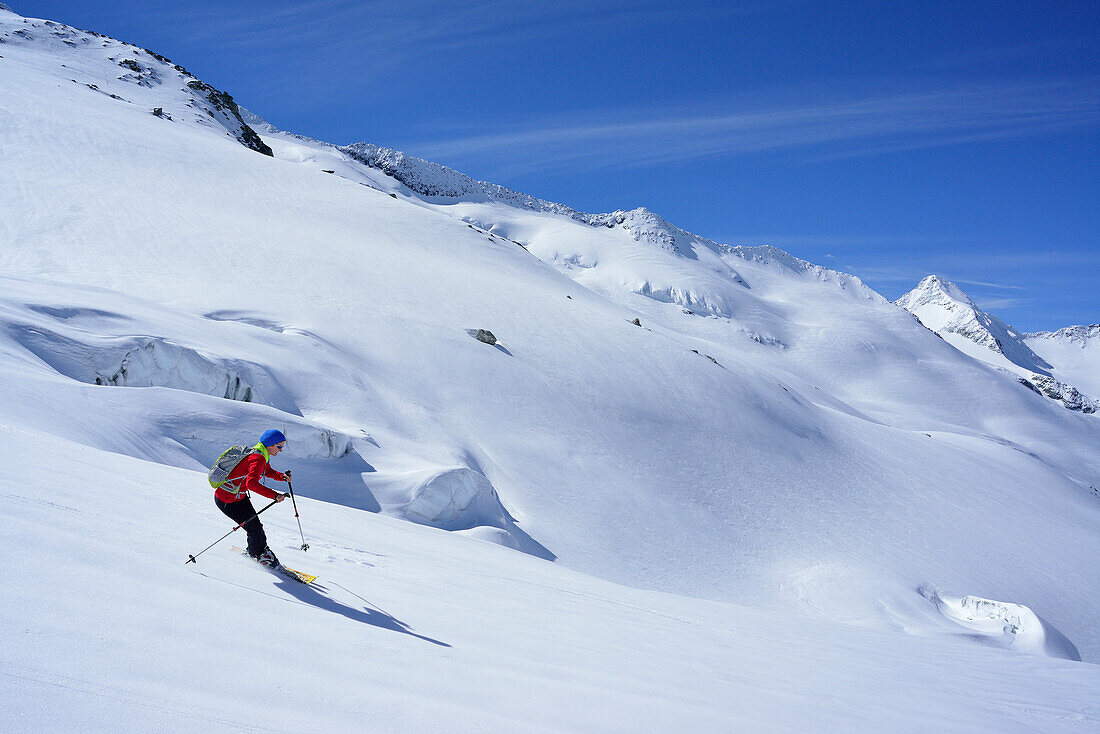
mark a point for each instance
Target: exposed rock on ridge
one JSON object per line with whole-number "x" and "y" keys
{"x": 131, "y": 75}
{"x": 1067, "y": 395}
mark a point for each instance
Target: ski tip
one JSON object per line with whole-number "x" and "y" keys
{"x": 305, "y": 578}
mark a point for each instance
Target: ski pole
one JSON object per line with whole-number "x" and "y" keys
{"x": 305, "y": 545}
{"x": 191, "y": 559}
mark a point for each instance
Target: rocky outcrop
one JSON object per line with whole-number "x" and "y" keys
{"x": 132, "y": 75}
{"x": 220, "y": 106}
{"x": 1068, "y": 395}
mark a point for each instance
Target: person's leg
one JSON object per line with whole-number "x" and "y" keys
{"x": 240, "y": 512}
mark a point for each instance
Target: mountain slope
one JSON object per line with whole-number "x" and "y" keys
{"x": 831, "y": 462}
{"x": 420, "y": 630}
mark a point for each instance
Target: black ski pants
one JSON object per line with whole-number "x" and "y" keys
{"x": 241, "y": 511}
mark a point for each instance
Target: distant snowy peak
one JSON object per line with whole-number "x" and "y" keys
{"x": 770, "y": 255}
{"x": 935, "y": 290}
{"x": 1081, "y": 335}
{"x": 441, "y": 184}
{"x": 127, "y": 74}
{"x": 944, "y": 308}
{"x": 645, "y": 226}
{"x": 434, "y": 181}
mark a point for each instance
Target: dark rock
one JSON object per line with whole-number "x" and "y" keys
{"x": 485, "y": 336}
{"x": 223, "y": 103}
{"x": 1067, "y": 395}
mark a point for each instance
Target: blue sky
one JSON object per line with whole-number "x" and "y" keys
{"x": 890, "y": 140}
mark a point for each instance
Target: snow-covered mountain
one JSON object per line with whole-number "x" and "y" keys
{"x": 748, "y": 491}
{"x": 945, "y": 309}
{"x": 129, "y": 75}
{"x": 1074, "y": 352}
{"x": 712, "y": 290}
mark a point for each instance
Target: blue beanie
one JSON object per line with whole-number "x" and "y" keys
{"x": 272, "y": 437}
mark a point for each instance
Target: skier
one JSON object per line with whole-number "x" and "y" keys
{"x": 232, "y": 497}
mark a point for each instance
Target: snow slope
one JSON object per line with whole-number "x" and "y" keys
{"x": 818, "y": 479}
{"x": 414, "y": 629}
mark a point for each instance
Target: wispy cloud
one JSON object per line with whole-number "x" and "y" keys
{"x": 877, "y": 124}
{"x": 383, "y": 34}
{"x": 999, "y": 286}
{"x": 996, "y": 304}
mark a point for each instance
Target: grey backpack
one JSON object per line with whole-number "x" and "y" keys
{"x": 226, "y": 463}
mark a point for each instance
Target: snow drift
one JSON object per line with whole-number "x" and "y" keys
{"x": 1002, "y": 623}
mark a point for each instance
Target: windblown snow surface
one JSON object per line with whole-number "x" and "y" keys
{"x": 692, "y": 487}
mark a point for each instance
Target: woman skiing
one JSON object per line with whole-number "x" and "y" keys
{"x": 232, "y": 496}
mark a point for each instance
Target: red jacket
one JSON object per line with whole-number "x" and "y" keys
{"x": 246, "y": 478}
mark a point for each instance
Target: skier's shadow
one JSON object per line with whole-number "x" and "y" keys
{"x": 315, "y": 595}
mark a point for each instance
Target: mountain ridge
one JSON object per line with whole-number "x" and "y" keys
{"x": 142, "y": 72}
{"x": 441, "y": 184}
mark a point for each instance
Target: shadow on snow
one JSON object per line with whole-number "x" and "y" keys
{"x": 315, "y": 595}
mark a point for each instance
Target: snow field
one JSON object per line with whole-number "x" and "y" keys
{"x": 412, "y": 628}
